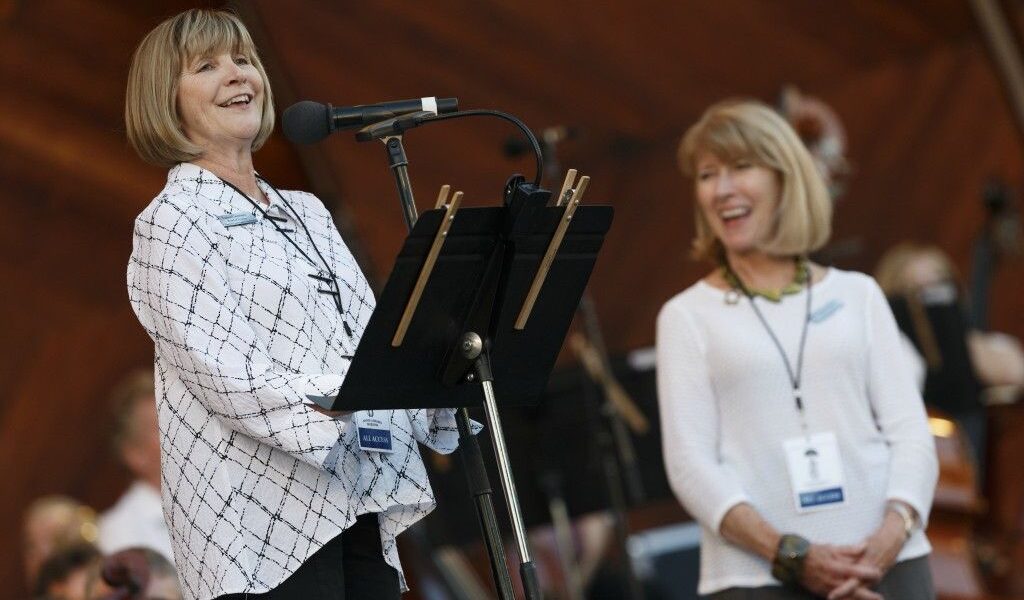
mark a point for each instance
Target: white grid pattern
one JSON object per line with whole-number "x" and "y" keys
{"x": 254, "y": 482}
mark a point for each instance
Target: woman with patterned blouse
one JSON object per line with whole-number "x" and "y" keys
{"x": 254, "y": 304}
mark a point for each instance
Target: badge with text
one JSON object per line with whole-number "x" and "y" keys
{"x": 815, "y": 471}
{"x": 236, "y": 219}
{"x": 374, "y": 433}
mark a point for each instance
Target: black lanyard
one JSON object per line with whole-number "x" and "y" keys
{"x": 794, "y": 375}
{"x": 327, "y": 275}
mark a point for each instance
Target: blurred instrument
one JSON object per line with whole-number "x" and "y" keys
{"x": 822, "y": 132}
{"x": 955, "y": 510}
{"x": 1000, "y": 238}
{"x": 597, "y": 369}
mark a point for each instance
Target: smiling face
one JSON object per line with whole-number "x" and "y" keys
{"x": 220, "y": 101}
{"x": 738, "y": 201}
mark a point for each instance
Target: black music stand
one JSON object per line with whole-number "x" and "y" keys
{"x": 468, "y": 330}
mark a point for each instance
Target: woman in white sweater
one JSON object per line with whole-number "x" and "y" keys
{"x": 793, "y": 431}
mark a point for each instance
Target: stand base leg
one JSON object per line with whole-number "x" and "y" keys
{"x": 528, "y": 573}
{"x": 526, "y": 570}
{"x": 480, "y": 487}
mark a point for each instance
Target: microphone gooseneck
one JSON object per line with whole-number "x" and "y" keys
{"x": 538, "y": 154}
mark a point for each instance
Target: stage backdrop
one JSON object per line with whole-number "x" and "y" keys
{"x": 925, "y": 113}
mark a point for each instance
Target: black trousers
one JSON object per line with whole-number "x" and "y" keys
{"x": 349, "y": 567}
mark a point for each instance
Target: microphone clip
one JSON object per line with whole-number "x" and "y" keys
{"x": 393, "y": 126}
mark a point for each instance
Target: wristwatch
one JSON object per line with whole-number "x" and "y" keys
{"x": 788, "y": 564}
{"x": 909, "y": 522}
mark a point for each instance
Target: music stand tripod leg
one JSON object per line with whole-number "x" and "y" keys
{"x": 480, "y": 488}
{"x": 527, "y": 569}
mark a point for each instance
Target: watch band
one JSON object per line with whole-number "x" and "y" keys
{"x": 788, "y": 565}
{"x": 909, "y": 522}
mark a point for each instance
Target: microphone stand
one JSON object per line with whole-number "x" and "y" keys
{"x": 389, "y": 132}
{"x": 399, "y": 164}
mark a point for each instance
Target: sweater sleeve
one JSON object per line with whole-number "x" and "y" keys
{"x": 706, "y": 486}
{"x": 899, "y": 410}
{"x": 178, "y": 287}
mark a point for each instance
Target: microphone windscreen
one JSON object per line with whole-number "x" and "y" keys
{"x": 306, "y": 122}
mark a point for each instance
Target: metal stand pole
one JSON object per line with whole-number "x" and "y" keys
{"x": 472, "y": 344}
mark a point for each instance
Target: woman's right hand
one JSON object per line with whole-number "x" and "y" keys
{"x": 828, "y": 571}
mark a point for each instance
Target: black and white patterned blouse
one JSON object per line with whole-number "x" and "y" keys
{"x": 254, "y": 481}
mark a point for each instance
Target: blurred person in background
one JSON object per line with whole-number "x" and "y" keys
{"x": 963, "y": 366}
{"x": 135, "y": 574}
{"x": 137, "y": 518}
{"x": 66, "y": 574}
{"x": 792, "y": 428}
{"x": 50, "y": 524}
{"x": 255, "y": 306}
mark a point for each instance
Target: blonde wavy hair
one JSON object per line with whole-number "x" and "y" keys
{"x": 151, "y": 100}
{"x": 735, "y": 130}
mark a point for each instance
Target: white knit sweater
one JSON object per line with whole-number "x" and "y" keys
{"x": 727, "y": 405}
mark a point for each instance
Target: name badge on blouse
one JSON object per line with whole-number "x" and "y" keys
{"x": 374, "y": 433}
{"x": 236, "y": 219}
{"x": 815, "y": 471}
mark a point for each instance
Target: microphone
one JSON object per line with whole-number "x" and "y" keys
{"x": 307, "y": 122}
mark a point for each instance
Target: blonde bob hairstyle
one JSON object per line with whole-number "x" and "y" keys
{"x": 151, "y": 101}
{"x": 736, "y": 130}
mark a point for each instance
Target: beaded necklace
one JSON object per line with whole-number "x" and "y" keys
{"x": 800, "y": 279}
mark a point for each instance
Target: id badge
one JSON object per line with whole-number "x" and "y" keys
{"x": 374, "y": 433}
{"x": 815, "y": 472}
{"x": 236, "y": 219}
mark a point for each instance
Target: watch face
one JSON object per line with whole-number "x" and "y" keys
{"x": 795, "y": 546}
{"x": 788, "y": 564}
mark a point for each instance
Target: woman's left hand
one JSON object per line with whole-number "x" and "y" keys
{"x": 880, "y": 550}
{"x": 884, "y": 545}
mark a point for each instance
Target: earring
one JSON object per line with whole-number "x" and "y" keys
{"x": 732, "y": 296}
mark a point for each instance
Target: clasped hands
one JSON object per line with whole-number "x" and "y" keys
{"x": 839, "y": 572}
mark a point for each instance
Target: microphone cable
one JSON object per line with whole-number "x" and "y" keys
{"x": 537, "y": 153}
